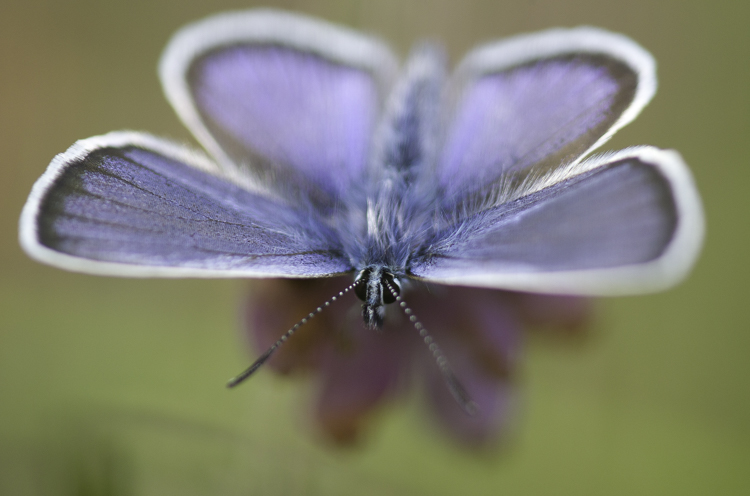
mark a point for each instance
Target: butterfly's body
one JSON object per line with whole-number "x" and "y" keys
{"x": 397, "y": 219}
{"x": 376, "y": 286}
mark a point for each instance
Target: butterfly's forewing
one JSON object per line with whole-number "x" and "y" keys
{"x": 292, "y": 99}
{"x": 130, "y": 204}
{"x": 539, "y": 100}
{"x": 625, "y": 222}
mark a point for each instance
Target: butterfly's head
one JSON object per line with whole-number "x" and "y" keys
{"x": 376, "y": 286}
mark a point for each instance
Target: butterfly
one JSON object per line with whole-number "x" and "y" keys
{"x": 327, "y": 158}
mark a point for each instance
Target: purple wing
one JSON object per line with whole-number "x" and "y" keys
{"x": 293, "y": 99}
{"x": 540, "y": 100}
{"x": 130, "y": 204}
{"x": 631, "y": 221}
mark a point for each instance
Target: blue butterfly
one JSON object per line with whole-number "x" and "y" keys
{"x": 326, "y": 159}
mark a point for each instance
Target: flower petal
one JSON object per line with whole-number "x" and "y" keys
{"x": 276, "y": 305}
{"x": 479, "y": 331}
{"x": 356, "y": 381}
{"x": 559, "y": 312}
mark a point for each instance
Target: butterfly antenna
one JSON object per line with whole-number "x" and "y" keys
{"x": 270, "y": 351}
{"x": 454, "y": 385}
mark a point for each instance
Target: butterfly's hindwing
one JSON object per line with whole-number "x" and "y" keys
{"x": 292, "y": 100}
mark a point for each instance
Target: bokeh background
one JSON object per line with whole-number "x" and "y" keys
{"x": 113, "y": 386}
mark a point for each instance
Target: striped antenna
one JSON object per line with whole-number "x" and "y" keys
{"x": 454, "y": 385}
{"x": 270, "y": 351}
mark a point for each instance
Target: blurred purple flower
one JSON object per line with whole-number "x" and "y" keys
{"x": 358, "y": 370}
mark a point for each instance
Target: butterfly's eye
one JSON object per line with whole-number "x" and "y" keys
{"x": 360, "y": 284}
{"x": 392, "y": 288}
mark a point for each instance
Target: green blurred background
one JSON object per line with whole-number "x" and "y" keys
{"x": 113, "y": 386}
